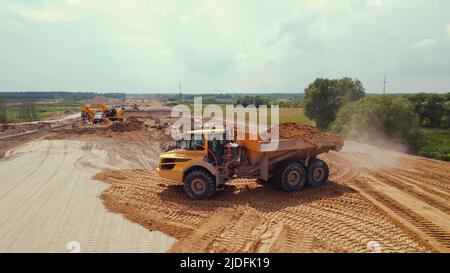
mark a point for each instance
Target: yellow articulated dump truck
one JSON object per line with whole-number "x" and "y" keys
{"x": 206, "y": 162}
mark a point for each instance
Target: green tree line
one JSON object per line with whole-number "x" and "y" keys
{"x": 341, "y": 106}
{"x": 253, "y": 100}
{"x": 378, "y": 118}
{"x": 433, "y": 109}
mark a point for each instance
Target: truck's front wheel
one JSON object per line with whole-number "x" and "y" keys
{"x": 317, "y": 173}
{"x": 291, "y": 176}
{"x": 199, "y": 185}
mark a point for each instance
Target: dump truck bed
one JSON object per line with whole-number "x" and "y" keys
{"x": 319, "y": 145}
{"x": 310, "y": 144}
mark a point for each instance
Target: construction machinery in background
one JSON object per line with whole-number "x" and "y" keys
{"x": 98, "y": 112}
{"x": 204, "y": 163}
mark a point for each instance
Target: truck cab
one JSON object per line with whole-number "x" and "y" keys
{"x": 98, "y": 116}
{"x": 197, "y": 162}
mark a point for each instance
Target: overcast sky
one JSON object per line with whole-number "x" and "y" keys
{"x": 222, "y": 46}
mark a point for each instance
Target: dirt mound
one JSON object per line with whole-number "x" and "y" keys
{"x": 118, "y": 133}
{"x": 251, "y": 217}
{"x": 134, "y": 131}
{"x": 142, "y": 102}
{"x": 134, "y": 121}
{"x": 130, "y": 124}
{"x": 294, "y": 130}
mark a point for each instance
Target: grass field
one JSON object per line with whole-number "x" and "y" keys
{"x": 45, "y": 111}
{"x": 294, "y": 115}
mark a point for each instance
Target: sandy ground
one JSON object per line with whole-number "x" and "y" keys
{"x": 47, "y": 199}
{"x": 250, "y": 217}
{"x": 412, "y": 191}
{"x": 376, "y": 200}
{"x": 394, "y": 201}
{"x": 61, "y": 119}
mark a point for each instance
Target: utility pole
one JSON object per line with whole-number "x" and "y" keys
{"x": 180, "y": 90}
{"x": 385, "y": 81}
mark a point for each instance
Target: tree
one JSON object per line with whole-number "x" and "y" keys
{"x": 380, "y": 118}
{"x": 433, "y": 109}
{"x": 252, "y": 100}
{"x": 28, "y": 110}
{"x": 3, "y": 115}
{"x": 324, "y": 97}
{"x": 350, "y": 90}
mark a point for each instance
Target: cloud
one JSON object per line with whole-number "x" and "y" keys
{"x": 373, "y": 2}
{"x": 73, "y": 2}
{"x": 223, "y": 44}
{"x": 47, "y": 13}
{"x": 424, "y": 43}
{"x": 184, "y": 20}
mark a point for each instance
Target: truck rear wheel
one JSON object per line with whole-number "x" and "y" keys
{"x": 291, "y": 176}
{"x": 317, "y": 173}
{"x": 199, "y": 185}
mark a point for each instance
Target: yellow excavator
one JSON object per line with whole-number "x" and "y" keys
{"x": 99, "y": 112}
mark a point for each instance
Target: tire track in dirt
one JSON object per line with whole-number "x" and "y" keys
{"x": 398, "y": 184}
{"x": 430, "y": 179}
{"x": 250, "y": 217}
{"x": 426, "y": 187}
{"x": 33, "y": 170}
{"x": 294, "y": 241}
{"x": 426, "y": 230}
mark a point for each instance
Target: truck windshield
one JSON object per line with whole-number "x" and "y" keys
{"x": 191, "y": 144}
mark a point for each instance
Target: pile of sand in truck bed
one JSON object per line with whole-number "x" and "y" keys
{"x": 293, "y": 130}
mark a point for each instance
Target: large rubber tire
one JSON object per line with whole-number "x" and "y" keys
{"x": 291, "y": 176}
{"x": 317, "y": 173}
{"x": 199, "y": 185}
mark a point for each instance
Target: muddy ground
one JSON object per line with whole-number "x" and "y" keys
{"x": 376, "y": 200}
